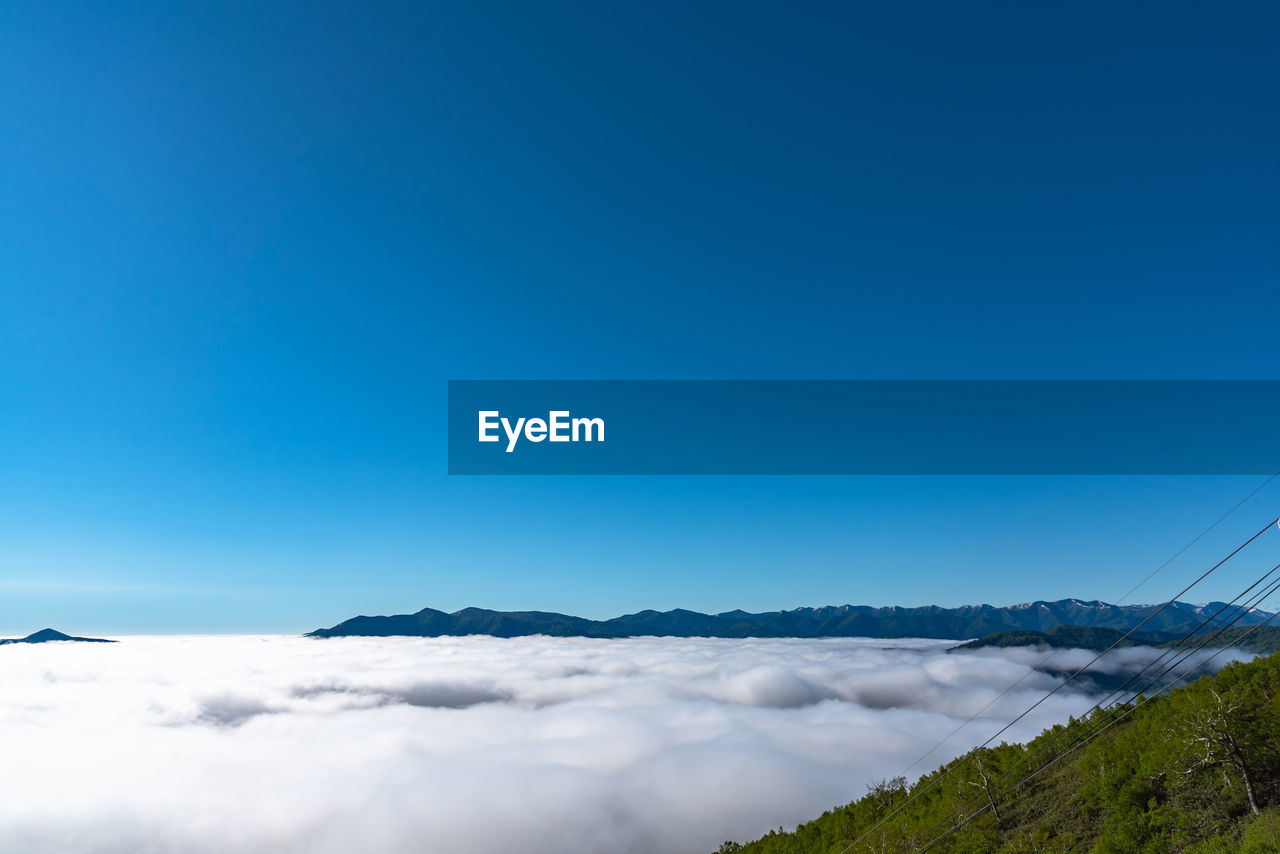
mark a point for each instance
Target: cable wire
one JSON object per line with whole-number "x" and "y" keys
{"x": 1053, "y": 653}
{"x": 1251, "y": 605}
{"x": 946, "y": 771}
{"x": 1060, "y": 756}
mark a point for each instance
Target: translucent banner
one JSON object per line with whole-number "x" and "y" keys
{"x": 649, "y": 427}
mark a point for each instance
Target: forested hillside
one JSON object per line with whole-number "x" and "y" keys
{"x": 1194, "y": 771}
{"x": 1261, "y": 640}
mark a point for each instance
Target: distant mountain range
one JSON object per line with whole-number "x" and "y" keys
{"x": 970, "y": 621}
{"x": 48, "y": 635}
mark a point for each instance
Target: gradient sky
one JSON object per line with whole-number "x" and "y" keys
{"x": 243, "y": 247}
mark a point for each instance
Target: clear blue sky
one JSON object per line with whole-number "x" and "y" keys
{"x": 243, "y": 246}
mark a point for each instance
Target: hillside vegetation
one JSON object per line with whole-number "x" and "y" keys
{"x": 1196, "y": 771}
{"x": 1260, "y": 640}
{"x": 1063, "y": 637}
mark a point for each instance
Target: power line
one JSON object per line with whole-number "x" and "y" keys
{"x": 1053, "y": 653}
{"x": 1196, "y": 539}
{"x": 1239, "y": 615}
{"x": 1268, "y": 591}
{"x": 945, "y": 772}
{"x": 1173, "y": 647}
{"x": 1074, "y": 747}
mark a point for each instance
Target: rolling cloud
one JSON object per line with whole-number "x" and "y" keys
{"x": 478, "y": 744}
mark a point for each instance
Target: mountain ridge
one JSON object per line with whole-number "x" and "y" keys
{"x": 927, "y": 621}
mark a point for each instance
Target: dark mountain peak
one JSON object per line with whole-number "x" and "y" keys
{"x": 47, "y": 635}
{"x": 647, "y": 613}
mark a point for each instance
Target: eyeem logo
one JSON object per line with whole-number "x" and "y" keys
{"x": 557, "y": 427}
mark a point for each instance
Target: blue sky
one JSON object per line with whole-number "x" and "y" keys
{"x": 243, "y": 247}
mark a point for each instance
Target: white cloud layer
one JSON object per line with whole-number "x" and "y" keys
{"x": 477, "y": 745}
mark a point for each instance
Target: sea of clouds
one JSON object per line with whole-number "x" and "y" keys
{"x": 480, "y": 745}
